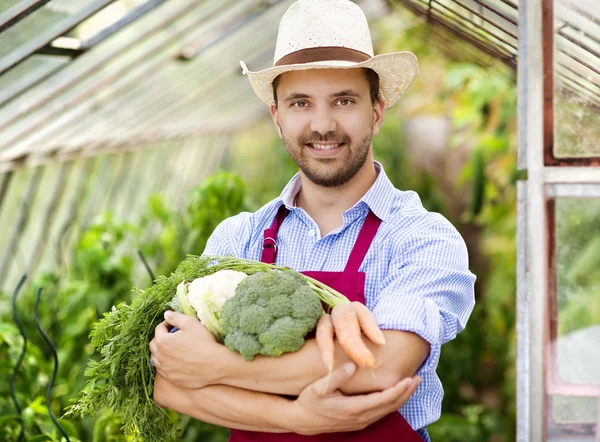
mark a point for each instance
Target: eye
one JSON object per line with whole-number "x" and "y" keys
{"x": 344, "y": 101}
{"x": 299, "y": 104}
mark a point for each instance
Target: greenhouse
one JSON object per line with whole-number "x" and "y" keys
{"x": 129, "y": 132}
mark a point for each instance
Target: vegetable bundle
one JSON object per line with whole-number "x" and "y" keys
{"x": 259, "y": 319}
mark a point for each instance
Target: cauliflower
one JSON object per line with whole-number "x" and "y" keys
{"x": 213, "y": 290}
{"x": 270, "y": 314}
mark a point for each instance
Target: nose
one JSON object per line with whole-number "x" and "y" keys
{"x": 323, "y": 121}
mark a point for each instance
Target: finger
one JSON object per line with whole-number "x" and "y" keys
{"x": 335, "y": 379}
{"x": 401, "y": 400}
{"x": 349, "y": 335}
{"x": 383, "y": 400}
{"x": 324, "y": 338}
{"x": 161, "y": 329}
{"x": 179, "y": 320}
{"x": 153, "y": 347}
{"x": 368, "y": 324}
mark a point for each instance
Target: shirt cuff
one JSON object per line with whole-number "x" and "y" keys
{"x": 421, "y": 316}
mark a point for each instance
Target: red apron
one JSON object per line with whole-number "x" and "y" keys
{"x": 350, "y": 282}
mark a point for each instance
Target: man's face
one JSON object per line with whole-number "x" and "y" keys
{"x": 326, "y": 119}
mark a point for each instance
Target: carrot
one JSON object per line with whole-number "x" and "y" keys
{"x": 348, "y": 331}
{"x": 324, "y": 338}
{"x": 368, "y": 324}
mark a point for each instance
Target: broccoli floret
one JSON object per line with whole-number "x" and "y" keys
{"x": 285, "y": 335}
{"x": 270, "y": 314}
{"x": 255, "y": 319}
{"x": 244, "y": 343}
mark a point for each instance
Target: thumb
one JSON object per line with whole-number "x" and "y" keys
{"x": 335, "y": 379}
{"x": 177, "y": 319}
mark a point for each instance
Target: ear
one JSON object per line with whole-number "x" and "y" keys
{"x": 275, "y": 116}
{"x": 378, "y": 111}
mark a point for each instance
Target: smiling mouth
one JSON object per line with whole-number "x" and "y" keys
{"x": 325, "y": 146}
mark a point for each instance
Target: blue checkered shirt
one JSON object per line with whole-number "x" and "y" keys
{"x": 417, "y": 268}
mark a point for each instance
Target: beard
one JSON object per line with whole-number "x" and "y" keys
{"x": 316, "y": 170}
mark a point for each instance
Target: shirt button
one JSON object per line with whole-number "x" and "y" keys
{"x": 311, "y": 233}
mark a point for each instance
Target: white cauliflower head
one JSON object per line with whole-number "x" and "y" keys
{"x": 213, "y": 290}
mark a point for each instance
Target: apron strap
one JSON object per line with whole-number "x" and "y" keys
{"x": 360, "y": 249}
{"x": 363, "y": 242}
{"x": 269, "y": 251}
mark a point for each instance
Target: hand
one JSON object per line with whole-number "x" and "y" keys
{"x": 348, "y": 322}
{"x": 321, "y": 408}
{"x": 188, "y": 358}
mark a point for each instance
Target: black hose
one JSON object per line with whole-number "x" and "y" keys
{"x": 55, "y": 356}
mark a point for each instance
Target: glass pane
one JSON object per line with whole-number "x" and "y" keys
{"x": 574, "y": 374}
{"x": 27, "y": 74}
{"x": 576, "y": 78}
{"x": 154, "y": 92}
{"x": 5, "y": 5}
{"x": 28, "y": 28}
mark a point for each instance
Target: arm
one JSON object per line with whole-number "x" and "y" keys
{"x": 226, "y": 406}
{"x": 290, "y": 373}
{"x": 320, "y": 408}
{"x": 191, "y": 358}
{"x": 428, "y": 289}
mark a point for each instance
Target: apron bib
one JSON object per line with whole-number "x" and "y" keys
{"x": 350, "y": 282}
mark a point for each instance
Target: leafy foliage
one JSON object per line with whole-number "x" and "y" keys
{"x": 102, "y": 274}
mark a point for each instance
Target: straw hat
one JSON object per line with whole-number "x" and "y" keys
{"x": 326, "y": 34}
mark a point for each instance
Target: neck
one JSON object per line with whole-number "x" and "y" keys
{"x": 326, "y": 204}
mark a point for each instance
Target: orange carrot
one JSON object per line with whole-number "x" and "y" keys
{"x": 347, "y": 329}
{"x": 324, "y": 338}
{"x": 368, "y": 324}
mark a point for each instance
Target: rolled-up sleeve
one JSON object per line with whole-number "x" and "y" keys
{"x": 428, "y": 289}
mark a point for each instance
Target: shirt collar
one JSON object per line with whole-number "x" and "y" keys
{"x": 379, "y": 197}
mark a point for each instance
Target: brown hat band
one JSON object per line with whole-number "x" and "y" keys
{"x": 325, "y": 53}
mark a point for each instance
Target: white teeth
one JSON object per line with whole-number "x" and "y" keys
{"x": 325, "y": 146}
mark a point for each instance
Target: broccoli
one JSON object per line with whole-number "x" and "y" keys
{"x": 270, "y": 314}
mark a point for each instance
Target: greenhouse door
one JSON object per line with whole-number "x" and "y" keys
{"x": 558, "y": 330}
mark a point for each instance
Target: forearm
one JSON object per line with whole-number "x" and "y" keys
{"x": 227, "y": 406}
{"x": 290, "y": 373}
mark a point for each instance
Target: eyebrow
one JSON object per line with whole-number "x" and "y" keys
{"x": 347, "y": 93}
{"x": 295, "y": 96}
{"x": 344, "y": 93}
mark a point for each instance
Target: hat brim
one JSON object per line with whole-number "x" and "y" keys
{"x": 396, "y": 71}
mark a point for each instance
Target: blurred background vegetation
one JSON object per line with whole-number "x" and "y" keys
{"x": 452, "y": 139}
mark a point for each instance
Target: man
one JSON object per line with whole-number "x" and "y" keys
{"x": 341, "y": 221}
